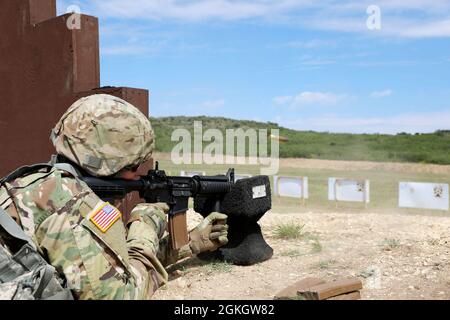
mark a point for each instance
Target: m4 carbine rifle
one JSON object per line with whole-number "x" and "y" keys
{"x": 157, "y": 187}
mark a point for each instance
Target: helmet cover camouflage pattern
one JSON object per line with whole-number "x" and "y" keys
{"x": 104, "y": 134}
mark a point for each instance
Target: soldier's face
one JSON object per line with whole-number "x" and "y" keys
{"x": 129, "y": 175}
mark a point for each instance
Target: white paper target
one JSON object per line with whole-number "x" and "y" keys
{"x": 348, "y": 190}
{"x": 192, "y": 173}
{"x": 424, "y": 195}
{"x": 291, "y": 187}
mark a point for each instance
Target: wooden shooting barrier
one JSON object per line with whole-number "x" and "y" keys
{"x": 45, "y": 67}
{"x": 319, "y": 289}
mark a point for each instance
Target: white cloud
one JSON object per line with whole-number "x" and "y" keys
{"x": 321, "y": 98}
{"x": 282, "y": 100}
{"x": 132, "y": 48}
{"x": 316, "y": 62}
{"x": 434, "y": 6}
{"x": 311, "y": 44}
{"x": 400, "y": 18}
{"x": 430, "y": 29}
{"x": 213, "y": 104}
{"x": 381, "y": 94}
{"x": 198, "y": 10}
{"x": 122, "y": 50}
{"x": 195, "y": 10}
{"x": 340, "y": 24}
{"x": 411, "y": 123}
{"x": 312, "y": 98}
{"x": 390, "y": 6}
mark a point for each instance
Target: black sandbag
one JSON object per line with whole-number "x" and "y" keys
{"x": 246, "y": 247}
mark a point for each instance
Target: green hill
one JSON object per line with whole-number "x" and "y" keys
{"x": 424, "y": 148}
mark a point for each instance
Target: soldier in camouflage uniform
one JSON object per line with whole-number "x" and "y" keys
{"x": 106, "y": 137}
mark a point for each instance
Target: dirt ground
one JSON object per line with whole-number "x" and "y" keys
{"x": 397, "y": 256}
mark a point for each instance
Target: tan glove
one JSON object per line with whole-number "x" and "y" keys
{"x": 210, "y": 234}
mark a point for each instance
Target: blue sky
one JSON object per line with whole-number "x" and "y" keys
{"x": 307, "y": 65}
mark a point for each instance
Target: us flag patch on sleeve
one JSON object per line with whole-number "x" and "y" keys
{"x": 105, "y": 217}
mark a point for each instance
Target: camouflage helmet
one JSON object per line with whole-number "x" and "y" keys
{"x": 104, "y": 134}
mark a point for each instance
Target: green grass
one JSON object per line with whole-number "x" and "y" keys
{"x": 298, "y": 297}
{"x": 421, "y": 148}
{"x": 323, "y": 265}
{"x": 369, "y": 272}
{"x": 289, "y": 231}
{"x": 291, "y": 253}
{"x": 218, "y": 267}
{"x": 316, "y": 246}
{"x": 391, "y": 244}
{"x": 310, "y": 236}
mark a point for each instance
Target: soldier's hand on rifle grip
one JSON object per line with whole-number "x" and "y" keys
{"x": 210, "y": 234}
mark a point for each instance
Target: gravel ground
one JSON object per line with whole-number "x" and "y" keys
{"x": 397, "y": 256}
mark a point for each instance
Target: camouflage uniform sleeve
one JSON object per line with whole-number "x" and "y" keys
{"x": 153, "y": 229}
{"x": 145, "y": 228}
{"x": 168, "y": 256}
{"x": 102, "y": 265}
